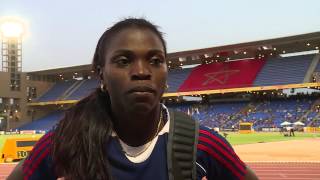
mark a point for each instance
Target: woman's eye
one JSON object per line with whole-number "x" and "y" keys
{"x": 156, "y": 60}
{"x": 122, "y": 60}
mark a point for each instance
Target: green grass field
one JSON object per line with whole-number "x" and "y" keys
{"x": 233, "y": 137}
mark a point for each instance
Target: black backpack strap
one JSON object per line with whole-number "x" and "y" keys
{"x": 182, "y": 147}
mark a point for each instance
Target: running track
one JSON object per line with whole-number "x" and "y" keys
{"x": 264, "y": 170}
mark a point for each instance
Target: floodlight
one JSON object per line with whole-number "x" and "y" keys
{"x": 11, "y": 29}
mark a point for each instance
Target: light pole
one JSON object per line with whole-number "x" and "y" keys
{"x": 11, "y": 33}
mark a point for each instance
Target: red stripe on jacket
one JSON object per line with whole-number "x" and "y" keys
{"x": 221, "y": 159}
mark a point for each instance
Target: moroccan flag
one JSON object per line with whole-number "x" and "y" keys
{"x": 225, "y": 75}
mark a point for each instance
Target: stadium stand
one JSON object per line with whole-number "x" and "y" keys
{"x": 317, "y": 68}
{"x": 221, "y": 115}
{"x": 45, "y": 123}
{"x": 277, "y": 111}
{"x": 86, "y": 87}
{"x": 262, "y": 113}
{"x": 176, "y": 77}
{"x": 274, "y": 73}
{"x": 56, "y": 91}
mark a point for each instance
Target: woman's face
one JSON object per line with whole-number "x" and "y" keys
{"x": 135, "y": 70}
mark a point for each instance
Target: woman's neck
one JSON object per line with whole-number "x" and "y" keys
{"x": 136, "y": 129}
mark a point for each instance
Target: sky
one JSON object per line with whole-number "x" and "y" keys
{"x": 64, "y": 33}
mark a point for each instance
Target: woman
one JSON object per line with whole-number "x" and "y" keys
{"x": 120, "y": 131}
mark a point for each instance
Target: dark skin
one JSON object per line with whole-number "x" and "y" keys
{"x": 135, "y": 75}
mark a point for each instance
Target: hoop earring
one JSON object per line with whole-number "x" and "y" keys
{"x": 102, "y": 88}
{"x": 167, "y": 87}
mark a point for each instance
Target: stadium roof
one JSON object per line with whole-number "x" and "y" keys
{"x": 70, "y": 69}
{"x": 255, "y": 49}
{"x": 65, "y": 72}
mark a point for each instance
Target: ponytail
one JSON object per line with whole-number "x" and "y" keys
{"x": 79, "y": 144}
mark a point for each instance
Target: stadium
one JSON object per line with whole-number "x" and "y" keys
{"x": 250, "y": 92}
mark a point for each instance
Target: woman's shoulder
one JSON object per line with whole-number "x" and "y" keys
{"x": 216, "y": 155}
{"x": 39, "y": 156}
{"x": 210, "y": 134}
{"x": 211, "y": 142}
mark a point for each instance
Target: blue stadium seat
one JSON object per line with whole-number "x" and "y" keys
{"x": 176, "y": 77}
{"x": 317, "y": 67}
{"x": 287, "y": 70}
{"x": 88, "y": 86}
{"x": 56, "y": 91}
{"x": 269, "y": 113}
{"x": 45, "y": 123}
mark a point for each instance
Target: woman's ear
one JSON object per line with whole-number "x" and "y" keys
{"x": 100, "y": 72}
{"x": 103, "y": 85}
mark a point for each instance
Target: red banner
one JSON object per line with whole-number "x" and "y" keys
{"x": 225, "y": 75}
